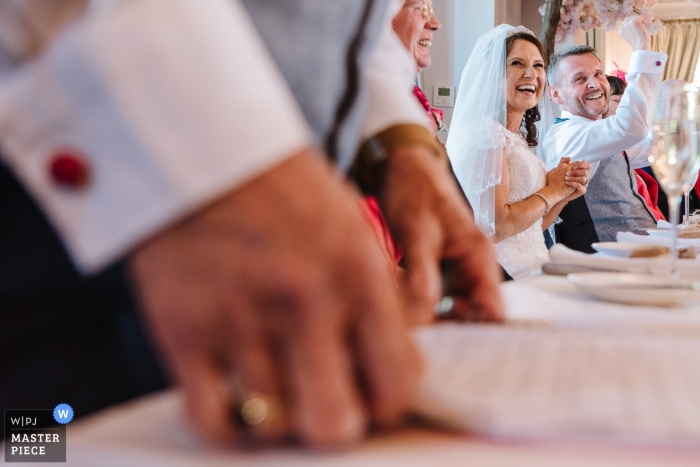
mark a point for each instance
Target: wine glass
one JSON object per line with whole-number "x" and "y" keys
{"x": 687, "y": 200}
{"x": 674, "y": 152}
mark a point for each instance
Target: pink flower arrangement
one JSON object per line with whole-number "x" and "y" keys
{"x": 587, "y": 14}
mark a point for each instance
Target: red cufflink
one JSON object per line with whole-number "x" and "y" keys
{"x": 69, "y": 169}
{"x": 658, "y": 63}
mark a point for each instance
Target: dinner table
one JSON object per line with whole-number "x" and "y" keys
{"x": 153, "y": 431}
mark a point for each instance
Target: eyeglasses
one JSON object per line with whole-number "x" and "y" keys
{"x": 425, "y": 10}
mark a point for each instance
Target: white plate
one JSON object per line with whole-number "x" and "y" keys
{"x": 665, "y": 233}
{"x": 618, "y": 249}
{"x": 635, "y": 289}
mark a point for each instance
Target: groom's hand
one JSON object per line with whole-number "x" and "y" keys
{"x": 433, "y": 225}
{"x": 634, "y": 31}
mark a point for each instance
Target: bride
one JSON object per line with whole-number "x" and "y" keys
{"x": 492, "y": 149}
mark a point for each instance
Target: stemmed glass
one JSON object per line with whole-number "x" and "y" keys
{"x": 687, "y": 200}
{"x": 674, "y": 154}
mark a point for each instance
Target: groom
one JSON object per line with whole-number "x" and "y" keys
{"x": 615, "y": 146}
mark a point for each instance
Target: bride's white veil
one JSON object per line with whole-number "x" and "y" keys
{"x": 473, "y": 144}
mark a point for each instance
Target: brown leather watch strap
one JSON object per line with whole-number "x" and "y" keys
{"x": 369, "y": 166}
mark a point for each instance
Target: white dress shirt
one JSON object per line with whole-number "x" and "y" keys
{"x": 628, "y": 130}
{"x": 172, "y": 103}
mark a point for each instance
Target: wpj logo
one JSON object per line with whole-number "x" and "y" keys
{"x": 33, "y": 436}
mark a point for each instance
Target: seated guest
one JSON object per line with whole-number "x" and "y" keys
{"x": 617, "y": 89}
{"x": 647, "y": 186}
{"x": 614, "y": 145}
{"x": 491, "y": 146}
{"x": 415, "y": 24}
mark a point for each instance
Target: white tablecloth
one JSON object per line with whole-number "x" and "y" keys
{"x": 152, "y": 431}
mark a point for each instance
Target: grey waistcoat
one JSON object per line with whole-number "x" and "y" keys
{"x": 614, "y": 202}
{"x": 321, "y": 47}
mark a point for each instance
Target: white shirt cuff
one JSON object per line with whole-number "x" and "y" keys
{"x": 171, "y": 103}
{"x": 644, "y": 61}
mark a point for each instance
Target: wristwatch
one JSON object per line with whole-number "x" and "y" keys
{"x": 370, "y": 164}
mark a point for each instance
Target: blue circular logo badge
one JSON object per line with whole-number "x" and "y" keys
{"x": 63, "y": 413}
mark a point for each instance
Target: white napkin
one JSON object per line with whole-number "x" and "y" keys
{"x": 653, "y": 240}
{"x": 659, "y": 266}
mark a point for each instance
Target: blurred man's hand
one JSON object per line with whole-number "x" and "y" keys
{"x": 283, "y": 284}
{"x": 433, "y": 225}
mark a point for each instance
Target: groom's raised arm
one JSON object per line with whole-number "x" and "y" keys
{"x": 595, "y": 140}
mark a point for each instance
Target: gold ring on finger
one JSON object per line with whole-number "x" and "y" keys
{"x": 252, "y": 410}
{"x": 256, "y": 410}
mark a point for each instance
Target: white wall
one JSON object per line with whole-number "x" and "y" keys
{"x": 676, "y": 9}
{"x": 473, "y": 18}
{"x": 441, "y": 71}
{"x": 463, "y": 21}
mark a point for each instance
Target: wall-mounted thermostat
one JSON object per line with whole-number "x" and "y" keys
{"x": 443, "y": 96}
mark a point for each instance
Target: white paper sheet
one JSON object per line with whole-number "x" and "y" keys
{"x": 558, "y": 371}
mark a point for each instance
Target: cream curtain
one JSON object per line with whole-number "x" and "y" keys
{"x": 681, "y": 41}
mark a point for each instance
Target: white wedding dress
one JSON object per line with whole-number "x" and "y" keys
{"x": 523, "y": 254}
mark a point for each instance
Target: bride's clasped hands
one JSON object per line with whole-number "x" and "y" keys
{"x": 564, "y": 183}
{"x": 568, "y": 181}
